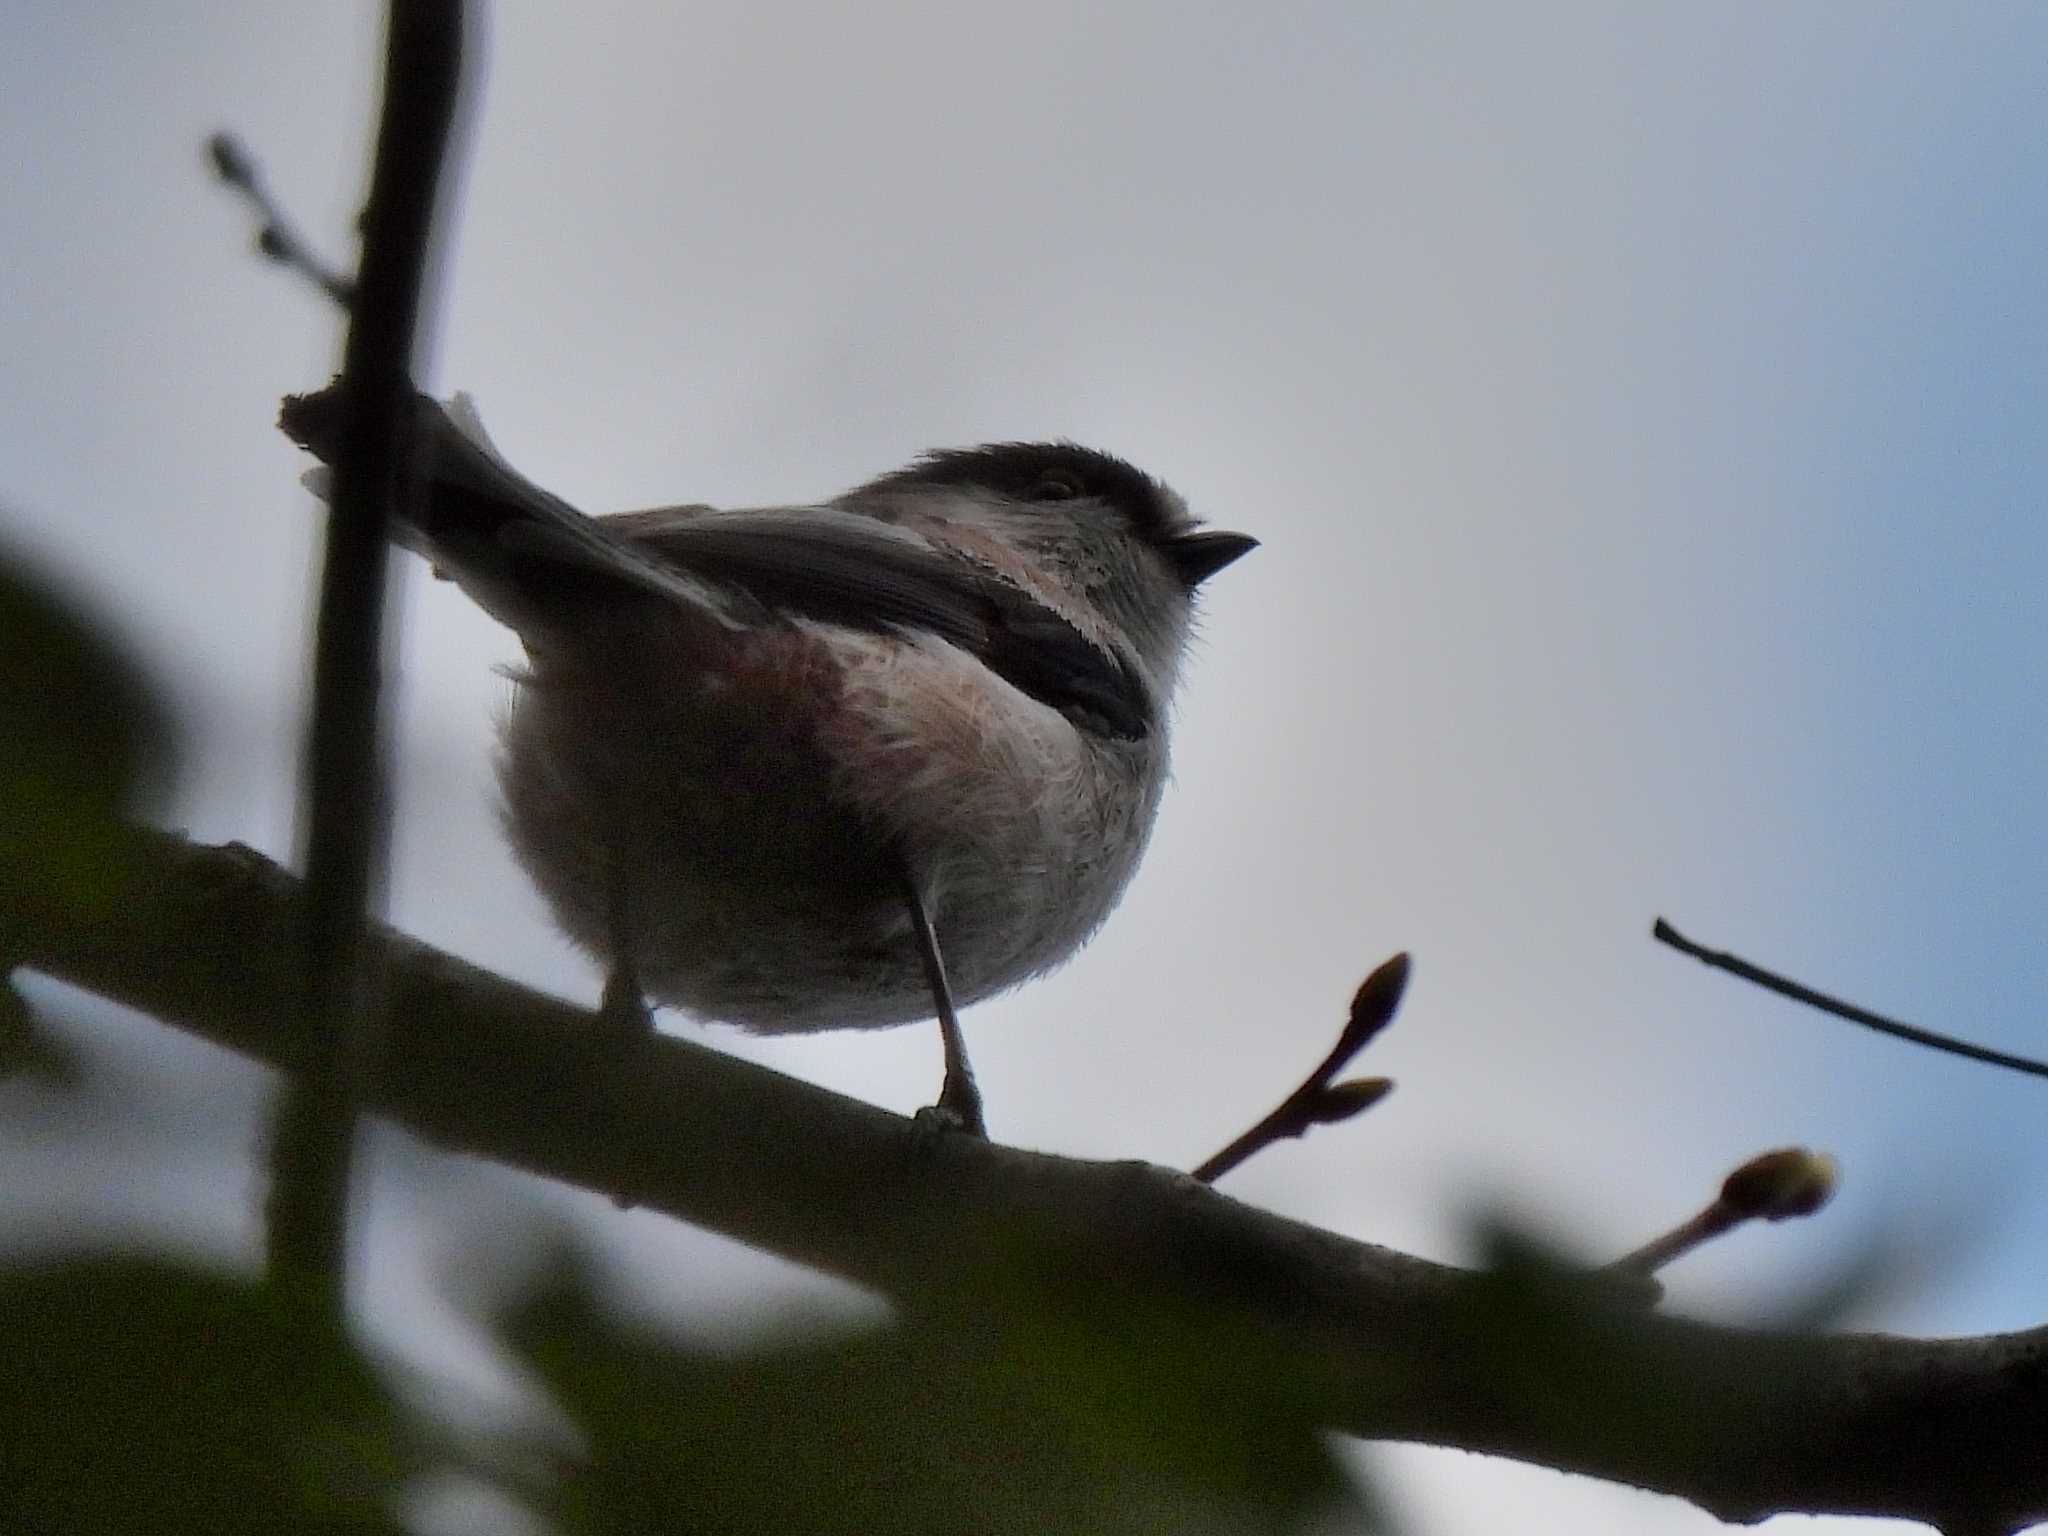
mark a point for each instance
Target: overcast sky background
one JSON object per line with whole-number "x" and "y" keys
{"x": 1640, "y": 408}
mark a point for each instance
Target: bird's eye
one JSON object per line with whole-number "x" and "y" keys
{"x": 1056, "y": 485}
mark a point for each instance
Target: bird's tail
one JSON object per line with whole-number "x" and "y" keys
{"x": 526, "y": 556}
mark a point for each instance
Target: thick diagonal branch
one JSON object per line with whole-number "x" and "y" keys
{"x": 1744, "y": 1423}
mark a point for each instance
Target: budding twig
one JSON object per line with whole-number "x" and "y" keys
{"x": 1319, "y": 1101}
{"x": 278, "y": 238}
{"x": 1774, "y": 1186}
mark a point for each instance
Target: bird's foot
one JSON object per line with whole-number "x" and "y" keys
{"x": 624, "y": 1013}
{"x": 957, "y": 1113}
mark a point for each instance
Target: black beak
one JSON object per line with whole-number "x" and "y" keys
{"x": 1195, "y": 557}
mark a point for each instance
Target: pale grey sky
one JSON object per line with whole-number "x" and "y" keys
{"x": 1639, "y": 405}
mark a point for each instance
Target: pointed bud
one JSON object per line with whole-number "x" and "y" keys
{"x": 1373, "y": 1004}
{"x": 1340, "y": 1101}
{"x": 231, "y": 162}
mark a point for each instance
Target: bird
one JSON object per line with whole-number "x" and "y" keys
{"x": 849, "y": 764}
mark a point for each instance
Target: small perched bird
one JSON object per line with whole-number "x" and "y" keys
{"x": 832, "y": 766}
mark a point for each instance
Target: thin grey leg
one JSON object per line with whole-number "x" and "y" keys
{"x": 624, "y": 1007}
{"x": 958, "y": 1095}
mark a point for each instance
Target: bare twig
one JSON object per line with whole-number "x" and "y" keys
{"x": 343, "y": 808}
{"x": 1784, "y": 986}
{"x": 278, "y": 238}
{"x": 1319, "y": 1101}
{"x": 1774, "y": 1186}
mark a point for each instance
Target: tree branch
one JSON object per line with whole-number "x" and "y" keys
{"x": 1535, "y": 1366}
{"x": 343, "y": 815}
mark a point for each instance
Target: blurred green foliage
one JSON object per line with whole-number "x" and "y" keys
{"x": 84, "y": 733}
{"x": 1011, "y": 1418}
{"x": 85, "y": 737}
{"x": 144, "y": 1396}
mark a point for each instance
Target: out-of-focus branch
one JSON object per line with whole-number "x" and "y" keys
{"x": 343, "y": 816}
{"x": 277, "y": 237}
{"x": 1547, "y": 1369}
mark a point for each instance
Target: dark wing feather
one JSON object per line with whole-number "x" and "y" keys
{"x": 841, "y": 568}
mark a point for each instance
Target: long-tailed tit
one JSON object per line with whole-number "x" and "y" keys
{"x": 831, "y": 766}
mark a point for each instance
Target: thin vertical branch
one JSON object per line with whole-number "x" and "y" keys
{"x": 344, "y": 804}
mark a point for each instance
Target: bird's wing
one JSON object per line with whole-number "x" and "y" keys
{"x": 840, "y": 567}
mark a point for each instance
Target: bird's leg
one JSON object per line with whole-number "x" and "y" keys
{"x": 626, "y": 1025}
{"x": 959, "y": 1098}
{"x": 624, "y": 1009}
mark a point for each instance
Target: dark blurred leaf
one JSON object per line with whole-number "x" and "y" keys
{"x": 140, "y": 1396}
{"x": 999, "y": 1421}
{"x": 84, "y": 735}
{"x": 26, "y": 1048}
